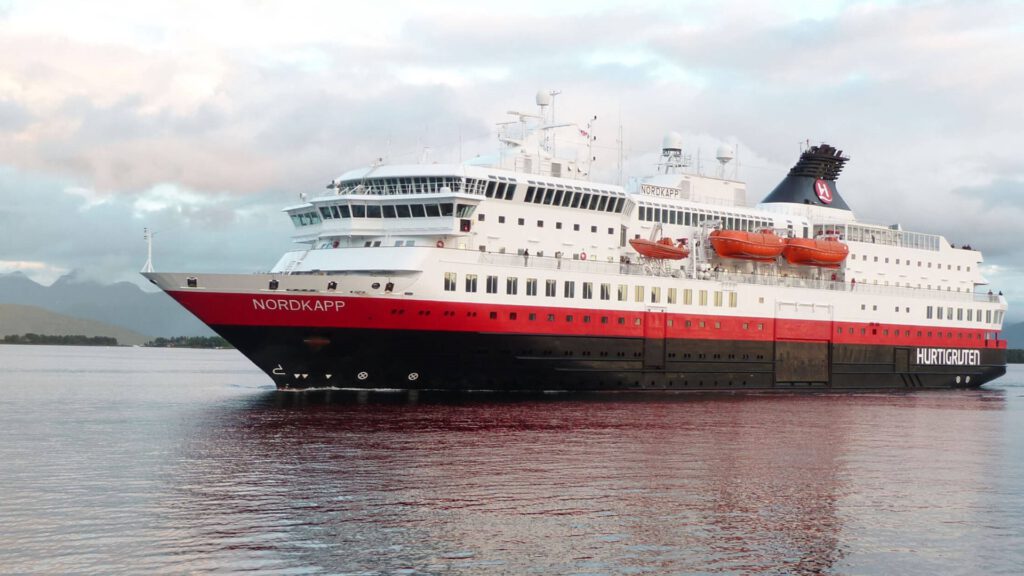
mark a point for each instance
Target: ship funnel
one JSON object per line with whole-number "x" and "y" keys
{"x": 812, "y": 180}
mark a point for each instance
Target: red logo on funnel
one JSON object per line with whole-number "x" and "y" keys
{"x": 823, "y": 191}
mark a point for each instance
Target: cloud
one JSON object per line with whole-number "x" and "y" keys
{"x": 200, "y": 119}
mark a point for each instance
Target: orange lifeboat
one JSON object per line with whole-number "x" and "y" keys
{"x": 664, "y": 249}
{"x": 762, "y": 246}
{"x": 827, "y": 252}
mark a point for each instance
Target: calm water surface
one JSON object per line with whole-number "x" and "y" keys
{"x": 130, "y": 460}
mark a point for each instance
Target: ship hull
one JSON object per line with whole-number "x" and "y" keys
{"x": 317, "y": 357}
{"x": 303, "y": 336}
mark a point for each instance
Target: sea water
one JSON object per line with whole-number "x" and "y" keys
{"x": 137, "y": 460}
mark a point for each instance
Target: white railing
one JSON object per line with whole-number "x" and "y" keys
{"x": 633, "y": 269}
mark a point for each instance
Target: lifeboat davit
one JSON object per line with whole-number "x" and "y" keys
{"x": 664, "y": 249}
{"x": 827, "y": 252}
{"x": 763, "y": 246}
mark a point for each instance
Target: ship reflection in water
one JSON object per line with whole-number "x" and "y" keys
{"x": 599, "y": 484}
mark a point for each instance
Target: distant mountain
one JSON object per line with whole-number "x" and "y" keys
{"x": 17, "y": 319}
{"x": 1014, "y": 335}
{"x": 122, "y": 304}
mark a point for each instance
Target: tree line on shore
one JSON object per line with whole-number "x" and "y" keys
{"x": 81, "y": 340}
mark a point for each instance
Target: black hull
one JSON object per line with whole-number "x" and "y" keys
{"x": 298, "y": 358}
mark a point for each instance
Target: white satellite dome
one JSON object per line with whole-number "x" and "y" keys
{"x": 725, "y": 154}
{"x": 673, "y": 141}
{"x": 543, "y": 98}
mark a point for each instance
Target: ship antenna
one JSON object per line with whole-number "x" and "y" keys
{"x": 148, "y": 237}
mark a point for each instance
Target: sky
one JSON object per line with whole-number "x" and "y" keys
{"x": 201, "y": 120}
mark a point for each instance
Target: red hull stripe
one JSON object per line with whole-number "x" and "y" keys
{"x": 291, "y": 310}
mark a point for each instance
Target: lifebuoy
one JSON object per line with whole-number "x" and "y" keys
{"x": 440, "y": 243}
{"x": 583, "y": 255}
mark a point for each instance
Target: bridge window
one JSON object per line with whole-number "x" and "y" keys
{"x": 432, "y": 210}
{"x": 373, "y": 211}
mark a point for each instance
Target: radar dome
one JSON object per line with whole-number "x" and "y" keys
{"x": 673, "y": 141}
{"x": 543, "y": 98}
{"x": 725, "y": 154}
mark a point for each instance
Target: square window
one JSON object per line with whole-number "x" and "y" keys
{"x": 501, "y": 219}
{"x": 522, "y": 221}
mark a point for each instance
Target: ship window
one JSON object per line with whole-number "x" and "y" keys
{"x": 718, "y": 324}
{"x": 637, "y": 321}
{"x": 522, "y": 221}
{"x": 511, "y": 285}
{"x": 358, "y": 211}
{"x": 732, "y": 299}
{"x": 655, "y": 295}
{"x": 432, "y": 210}
{"x": 373, "y": 211}
{"x": 970, "y": 314}
{"x": 326, "y": 212}
{"x": 389, "y": 211}
{"x": 417, "y": 210}
{"x": 576, "y": 227}
{"x": 718, "y": 298}
{"x": 700, "y": 324}
{"x": 575, "y": 200}
{"x": 344, "y": 211}
{"x": 569, "y": 289}
{"x": 470, "y": 282}
{"x": 593, "y": 229}
{"x": 492, "y": 284}
{"x": 611, "y": 231}
{"x": 490, "y": 189}
{"x": 622, "y": 320}
{"x": 688, "y": 323}
{"x": 493, "y": 315}
{"x": 702, "y": 297}
{"x": 334, "y": 212}
{"x": 959, "y": 313}
{"x": 760, "y": 326}
{"x": 446, "y": 209}
{"x": 638, "y": 293}
{"x": 551, "y": 317}
{"x": 619, "y": 203}
{"x": 603, "y": 203}
{"x": 606, "y": 291}
{"x": 549, "y": 288}
{"x": 588, "y": 290}
{"x": 568, "y": 317}
{"x": 567, "y": 199}
{"x": 604, "y": 319}
{"x": 403, "y": 211}
{"x": 623, "y": 291}
{"x": 671, "y": 295}
{"x": 449, "y": 281}
{"x": 593, "y": 201}
{"x": 531, "y": 286}
{"x": 540, "y": 223}
{"x": 549, "y": 195}
{"x": 558, "y": 197}
{"x": 586, "y": 201}
{"x": 464, "y": 210}
{"x": 687, "y": 296}
{"x": 529, "y": 193}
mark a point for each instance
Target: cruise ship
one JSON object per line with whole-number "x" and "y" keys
{"x": 518, "y": 272}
